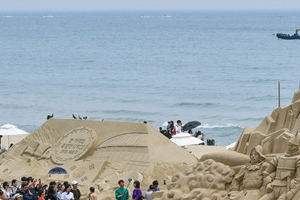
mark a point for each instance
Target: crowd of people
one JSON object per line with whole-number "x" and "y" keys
{"x": 122, "y": 193}
{"x": 172, "y": 130}
{"x": 34, "y": 189}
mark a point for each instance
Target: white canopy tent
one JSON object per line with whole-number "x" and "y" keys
{"x": 9, "y": 129}
{"x": 183, "y": 139}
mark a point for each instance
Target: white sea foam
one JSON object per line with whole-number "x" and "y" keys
{"x": 8, "y": 16}
{"x": 211, "y": 126}
{"x": 48, "y": 16}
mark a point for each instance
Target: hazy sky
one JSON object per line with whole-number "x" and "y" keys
{"x": 40, "y": 5}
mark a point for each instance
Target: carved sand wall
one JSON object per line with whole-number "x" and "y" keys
{"x": 274, "y": 131}
{"x": 95, "y": 153}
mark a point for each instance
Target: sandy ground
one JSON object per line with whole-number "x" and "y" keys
{"x": 200, "y": 150}
{"x": 7, "y": 140}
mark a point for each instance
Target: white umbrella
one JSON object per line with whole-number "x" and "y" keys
{"x": 9, "y": 129}
{"x": 183, "y": 139}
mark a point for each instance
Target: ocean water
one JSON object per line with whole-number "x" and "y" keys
{"x": 220, "y": 68}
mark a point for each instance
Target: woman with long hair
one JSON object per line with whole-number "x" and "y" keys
{"x": 41, "y": 194}
{"x": 51, "y": 195}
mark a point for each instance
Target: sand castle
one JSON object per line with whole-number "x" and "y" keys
{"x": 264, "y": 162}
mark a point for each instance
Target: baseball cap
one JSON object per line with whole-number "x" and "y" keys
{"x": 74, "y": 182}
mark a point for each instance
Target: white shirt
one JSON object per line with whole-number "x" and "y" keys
{"x": 178, "y": 128}
{"x": 148, "y": 194}
{"x": 6, "y": 193}
{"x": 66, "y": 196}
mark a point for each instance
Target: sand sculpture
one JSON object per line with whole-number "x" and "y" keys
{"x": 99, "y": 153}
{"x": 95, "y": 153}
{"x": 272, "y": 173}
{"x": 274, "y": 131}
{"x": 204, "y": 180}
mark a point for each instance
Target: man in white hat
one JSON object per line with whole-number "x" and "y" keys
{"x": 283, "y": 173}
{"x": 75, "y": 190}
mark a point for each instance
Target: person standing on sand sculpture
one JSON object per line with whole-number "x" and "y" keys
{"x": 283, "y": 173}
{"x": 248, "y": 183}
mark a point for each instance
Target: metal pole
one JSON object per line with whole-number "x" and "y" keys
{"x": 278, "y": 94}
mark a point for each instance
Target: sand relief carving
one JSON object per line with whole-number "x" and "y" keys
{"x": 249, "y": 182}
{"x": 283, "y": 173}
{"x": 205, "y": 180}
{"x": 73, "y": 145}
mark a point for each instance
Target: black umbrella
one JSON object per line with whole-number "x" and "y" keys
{"x": 190, "y": 125}
{"x": 58, "y": 170}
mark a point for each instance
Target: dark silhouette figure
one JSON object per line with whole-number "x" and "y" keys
{"x": 50, "y": 116}
{"x": 84, "y": 117}
{"x": 79, "y": 117}
{"x": 74, "y": 116}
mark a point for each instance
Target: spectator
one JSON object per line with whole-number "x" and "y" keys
{"x": 61, "y": 189}
{"x": 178, "y": 126}
{"x": 200, "y": 135}
{"x": 13, "y": 189}
{"x": 75, "y": 190}
{"x": 137, "y": 192}
{"x": 149, "y": 192}
{"x": 93, "y": 195}
{"x": 51, "y": 195}
{"x": 155, "y": 185}
{"x": 23, "y": 180}
{"x": 160, "y": 129}
{"x": 141, "y": 198}
{"x": 171, "y": 129}
{"x": 16, "y": 197}
{"x": 32, "y": 190}
{"x": 121, "y": 193}
{"x": 5, "y": 190}
{"x": 67, "y": 194}
{"x": 24, "y": 193}
{"x": 41, "y": 194}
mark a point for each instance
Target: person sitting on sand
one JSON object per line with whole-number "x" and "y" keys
{"x": 121, "y": 193}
